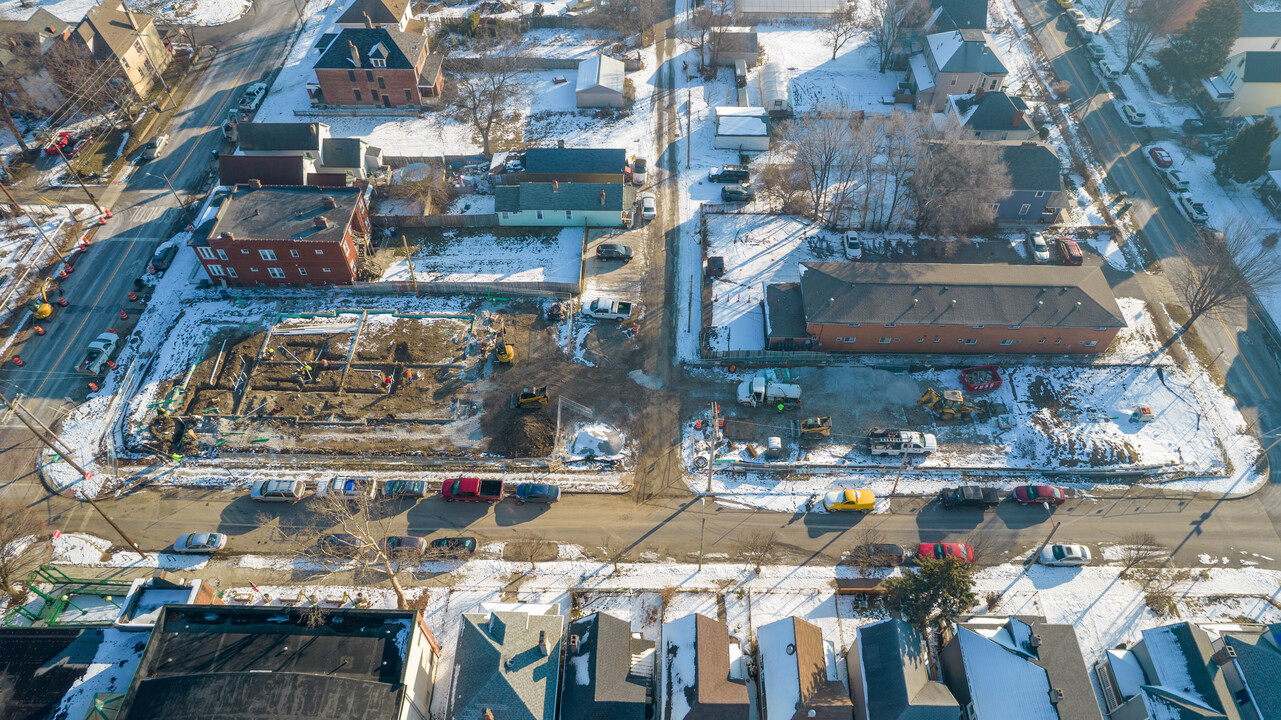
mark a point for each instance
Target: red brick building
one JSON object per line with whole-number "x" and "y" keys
{"x": 377, "y": 67}
{"x": 943, "y": 308}
{"x": 286, "y": 236}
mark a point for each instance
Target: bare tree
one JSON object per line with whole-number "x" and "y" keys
{"x": 820, "y": 148}
{"x": 705, "y": 28}
{"x": 868, "y": 549}
{"x": 1227, "y": 268}
{"x": 904, "y": 134}
{"x": 526, "y": 548}
{"x": 840, "y": 28}
{"x": 368, "y": 521}
{"x": 1143, "y": 19}
{"x": 759, "y": 549}
{"x": 21, "y": 545}
{"x": 782, "y": 184}
{"x": 88, "y": 84}
{"x": 954, "y": 183}
{"x": 480, "y": 97}
{"x": 1140, "y": 549}
{"x": 1105, "y": 12}
{"x": 887, "y": 20}
{"x": 1158, "y": 588}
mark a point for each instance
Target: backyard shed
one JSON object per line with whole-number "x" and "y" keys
{"x": 731, "y": 44}
{"x": 742, "y": 128}
{"x": 775, "y": 90}
{"x": 600, "y": 83}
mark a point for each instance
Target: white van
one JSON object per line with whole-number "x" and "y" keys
{"x": 1106, "y": 71}
{"x": 853, "y": 245}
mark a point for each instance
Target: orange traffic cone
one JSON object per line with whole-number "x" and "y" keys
{"x": 111, "y": 365}
{"x": 39, "y": 330}
{"x": 124, "y": 315}
{"x": 62, "y": 302}
{"x": 102, "y": 219}
{"x": 18, "y": 361}
{"x": 68, "y": 268}
{"x": 93, "y": 387}
{"x": 133, "y": 297}
{"x": 62, "y": 274}
{"x": 107, "y": 213}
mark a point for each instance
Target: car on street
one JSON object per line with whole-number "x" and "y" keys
{"x": 1037, "y": 494}
{"x": 1063, "y": 4}
{"x": 942, "y": 550}
{"x": 1160, "y": 157}
{"x": 402, "y": 545}
{"x": 536, "y": 493}
{"x": 640, "y": 170}
{"x": 1076, "y": 17}
{"x": 80, "y": 144}
{"x": 969, "y": 496}
{"x": 350, "y": 488}
{"x": 1070, "y": 251}
{"x": 729, "y": 174}
{"x": 1040, "y": 249}
{"x": 1094, "y": 50}
{"x": 855, "y": 500}
{"x": 877, "y": 555}
{"x": 1106, "y": 71}
{"x": 613, "y": 251}
{"x": 253, "y": 96}
{"x": 1133, "y": 115}
{"x": 1195, "y": 211}
{"x": 1176, "y": 180}
{"x": 199, "y": 543}
{"x": 56, "y": 143}
{"x": 1203, "y": 126}
{"x": 407, "y": 488}
{"x": 452, "y": 547}
{"x": 649, "y": 206}
{"x": 738, "y": 193}
{"x": 290, "y": 491}
{"x": 1065, "y": 555}
{"x": 338, "y": 544}
{"x": 152, "y": 150}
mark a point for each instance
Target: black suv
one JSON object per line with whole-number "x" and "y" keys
{"x": 729, "y": 174}
{"x": 613, "y": 251}
{"x": 737, "y": 193}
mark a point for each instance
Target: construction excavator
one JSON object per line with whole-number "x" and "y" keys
{"x": 503, "y": 350}
{"x": 814, "y": 429}
{"x": 948, "y": 405}
{"x": 530, "y": 398}
{"x": 43, "y": 308}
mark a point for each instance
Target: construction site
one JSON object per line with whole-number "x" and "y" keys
{"x": 369, "y": 382}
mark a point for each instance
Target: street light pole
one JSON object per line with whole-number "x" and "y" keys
{"x": 185, "y": 210}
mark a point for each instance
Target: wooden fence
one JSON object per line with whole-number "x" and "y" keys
{"x": 434, "y": 221}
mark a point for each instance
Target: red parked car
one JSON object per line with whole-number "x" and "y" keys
{"x": 1037, "y": 494}
{"x": 961, "y": 551}
{"x": 55, "y": 144}
{"x": 1160, "y": 157}
{"x": 80, "y": 145}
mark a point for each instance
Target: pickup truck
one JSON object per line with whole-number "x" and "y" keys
{"x": 969, "y": 496}
{"x": 901, "y": 442}
{"x": 608, "y": 309}
{"x": 1194, "y": 210}
{"x": 472, "y": 490}
{"x": 760, "y": 391}
{"x": 98, "y": 352}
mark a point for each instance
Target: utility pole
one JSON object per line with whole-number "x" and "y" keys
{"x": 409, "y": 259}
{"x": 34, "y": 222}
{"x": 185, "y": 210}
{"x": 76, "y": 174}
{"x": 1037, "y": 552}
{"x": 711, "y": 466}
{"x": 22, "y": 416}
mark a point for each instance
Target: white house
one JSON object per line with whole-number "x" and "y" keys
{"x": 741, "y": 128}
{"x": 600, "y": 83}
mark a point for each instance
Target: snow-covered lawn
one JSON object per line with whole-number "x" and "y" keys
{"x": 816, "y": 79}
{"x": 520, "y": 254}
{"x": 170, "y": 12}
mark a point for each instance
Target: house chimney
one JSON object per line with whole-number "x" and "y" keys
{"x": 226, "y": 236}
{"x": 355, "y": 54}
{"x": 255, "y": 183}
{"x": 555, "y": 186}
{"x": 257, "y": 212}
{"x": 369, "y": 23}
{"x": 542, "y": 643}
{"x": 573, "y": 644}
{"x": 602, "y": 197}
{"x": 1018, "y": 118}
{"x": 487, "y": 715}
{"x": 1224, "y": 655}
{"x": 1056, "y": 696}
{"x": 560, "y": 143}
{"x": 328, "y": 201}
{"x": 322, "y": 222}
{"x": 1034, "y": 642}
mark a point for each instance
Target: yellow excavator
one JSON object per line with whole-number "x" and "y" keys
{"x": 814, "y": 429}
{"x": 503, "y": 351}
{"x": 42, "y": 309}
{"x": 530, "y": 398}
{"x": 950, "y": 405}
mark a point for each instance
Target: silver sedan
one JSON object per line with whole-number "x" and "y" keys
{"x": 199, "y": 543}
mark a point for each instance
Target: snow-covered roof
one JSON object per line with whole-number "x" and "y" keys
{"x": 742, "y": 126}
{"x": 776, "y": 648}
{"x": 1004, "y": 683}
{"x": 774, "y": 83}
{"x": 1126, "y": 671}
{"x": 921, "y": 74}
{"x": 600, "y": 72}
{"x": 966, "y": 51}
{"x": 1167, "y": 653}
{"x": 679, "y": 666}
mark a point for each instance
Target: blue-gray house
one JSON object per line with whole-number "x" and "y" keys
{"x": 1036, "y": 180}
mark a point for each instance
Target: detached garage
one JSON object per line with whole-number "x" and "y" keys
{"x": 600, "y": 83}
{"x": 742, "y": 128}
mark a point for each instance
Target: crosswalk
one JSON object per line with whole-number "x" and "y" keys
{"x": 139, "y": 214}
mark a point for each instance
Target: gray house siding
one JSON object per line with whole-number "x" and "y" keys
{"x": 1011, "y": 209}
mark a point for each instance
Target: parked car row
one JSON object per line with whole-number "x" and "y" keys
{"x": 1069, "y": 250}
{"x": 863, "y": 500}
{"x": 891, "y": 554}
{"x": 1178, "y": 183}
{"x": 460, "y": 489}
{"x": 398, "y": 546}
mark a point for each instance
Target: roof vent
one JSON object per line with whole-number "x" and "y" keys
{"x": 1056, "y": 696}
{"x": 1035, "y": 641}
{"x": 555, "y": 186}
{"x": 602, "y": 197}
{"x": 511, "y": 663}
{"x": 328, "y": 201}
{"x": 1224, "y": 655}
{"x": 573, "y": 643}
{"x": 542, "y": 643}
{"x": 227, "y": 236}
{"x": 322, "y": 222}
{"x": 791, "y": 648}
{"x": 487, "y": 715}
{"x": 255, "y": 183}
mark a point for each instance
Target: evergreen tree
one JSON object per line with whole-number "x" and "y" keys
{"x": 1247, "y": 156}
{"x": 1199, "y": 50}
{"x": 938, "y": 589}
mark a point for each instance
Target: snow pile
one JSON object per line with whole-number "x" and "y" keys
{"x": 89, "y": 551}
{"x": 600, "y": 442}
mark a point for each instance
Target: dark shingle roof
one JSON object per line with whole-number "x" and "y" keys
{"x": 379, "y": 11}
{"x": 956, "y": 294}
{"x": 266, "y": 169}
{"x": 715, "y": 691}
{"x": 111, "y": 23}
{"x": 39, "y": 665}
{"x": 995, "y": 111}
{"x": 526, "y": 689}
{"x": 1262, "y": 67}
{"x": 400, "y": 50}
{"x": 566, "y": 196}
{"x": 279, "y": 213}
{"x": 1260, "y": 662}
{"x": 575, "y": 161}
{"x": 278, "y": 137}
{"x": 967, "y": 50}
{"x": 1258, "y": 24}
{"x": 1060, "y": 654}
{"x": 343, "y": 152}
{"x": 784, "y": 315}
{"x": 604, "y": 658}
{"x": 961, "y": 14}
{"x": 1033, "y": 166}
{"x": 897, "y": 676}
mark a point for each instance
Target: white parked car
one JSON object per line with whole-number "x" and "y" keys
{"x": 640, "y": 170}
{"x": 1176, "y": 180}
{"x": 1106, "y": 71}
{"x": 649, "y": 206}
{"x": 1040, "y": 249}
{"x": 1065, "y": 555}
{"x": 199, "y": 543}
{"x": 350, "y": 488}
{"x": 1133, "y": 115}
{"x": 253, "y": 96}
{"x": 853, "y": 246}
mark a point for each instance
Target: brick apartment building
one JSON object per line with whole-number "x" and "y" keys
{"x": 377, "y": 67}
{"x": 943, "y": 308}
{"x": 286, "y": 236}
